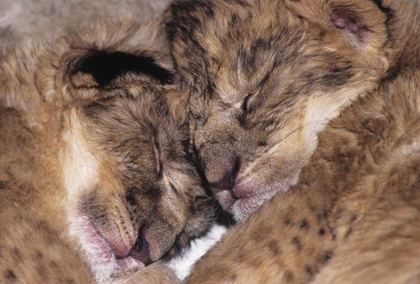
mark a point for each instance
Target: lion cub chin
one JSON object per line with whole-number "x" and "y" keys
{"x": 94, "y": 165}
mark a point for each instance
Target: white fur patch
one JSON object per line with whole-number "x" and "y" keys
{"x": 183, "y": 263}
{"x": 80, "y": 167}
{"x": 326, "y": 109}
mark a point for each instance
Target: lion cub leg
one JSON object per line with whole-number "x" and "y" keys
{"x": 286, "y": 242}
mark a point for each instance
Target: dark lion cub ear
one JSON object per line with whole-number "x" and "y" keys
{"x": 102, "y": 72}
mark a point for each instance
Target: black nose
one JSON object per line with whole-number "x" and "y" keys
{"x": 227, "y": 182}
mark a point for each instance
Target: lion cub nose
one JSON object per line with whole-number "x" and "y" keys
{"x": 140, "y": 250}
{"x": 228, "y": 181}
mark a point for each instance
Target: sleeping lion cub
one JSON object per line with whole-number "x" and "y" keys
{"x": 93, "y": 158}
{"x": 318, "y": 100}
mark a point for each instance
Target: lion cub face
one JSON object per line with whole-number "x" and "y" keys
{"x": 132, "y": 194}
{"x": 265, "y": 77}
{"x": 133, "y": 191}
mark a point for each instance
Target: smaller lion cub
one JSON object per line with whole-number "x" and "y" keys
{"x": 95, "y": 180}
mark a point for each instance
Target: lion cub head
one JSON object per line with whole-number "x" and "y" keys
{"x": 265, "y": 78}
{"x": 132, "y": 195}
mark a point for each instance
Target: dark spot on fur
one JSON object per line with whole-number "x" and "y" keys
{"x": 258, "y": 237}
{"x": 296, "y": 242}
{"x": 288, "y": 276}
{"x": 16, "y": 252}
{"x": 288, "y": 222}
{"x": 233, "y": 20}
{"x": 309, "y": 78}
{"x": 3, "y": 184}
{"x": 274, "y": 247}
{"x": 309, "y": 270}
{"x": 322, "y": 259}
{"x": 131, "y": 197}
{"x": 353, "y": 218}
{"x": 337, "y": 76}
{"x": 264, "y": 44}
{"x": 262, "y": 144}
{"x": 105, "y": 67}
{"x": 10, "y": 275}
{"x": 53, "y": 264}
{"x": 321, "y": 232}
{"x": 242, "y": 256}
{"x": 39, "y": 255}
{"x": 304, "y": 225}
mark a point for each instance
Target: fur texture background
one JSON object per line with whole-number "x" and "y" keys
{"x": 32, "y": 20}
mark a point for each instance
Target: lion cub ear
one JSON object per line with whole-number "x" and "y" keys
{"x": 100, "y": 73}
{"x": 357, "y": 23}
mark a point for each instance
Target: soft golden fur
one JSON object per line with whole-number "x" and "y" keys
{"x": 95, "y": 180}
{"x": 30, "y": 20}
{"x": 320, "y": 94}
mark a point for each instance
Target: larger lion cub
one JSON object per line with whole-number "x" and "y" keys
{"x": 95, "y": 181}
{"x": 268, "y": 79}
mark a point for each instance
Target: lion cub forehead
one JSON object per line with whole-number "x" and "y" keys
{"x": 250, "y": 35}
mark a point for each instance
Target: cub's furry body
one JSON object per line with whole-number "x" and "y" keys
{"x": 95, "y": 181}
{"x": 318, "y": 100}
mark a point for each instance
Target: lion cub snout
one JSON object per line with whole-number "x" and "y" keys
{"x": 228, "y": 180}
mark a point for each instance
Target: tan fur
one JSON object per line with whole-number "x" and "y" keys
{"x": 94, "y": 160}
{"x": 152, "y": 274}
{"x": 30, "y": 20}
{"x": 353, "y": 215}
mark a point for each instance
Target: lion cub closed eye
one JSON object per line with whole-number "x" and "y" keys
{"x": 95, "y": 181}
